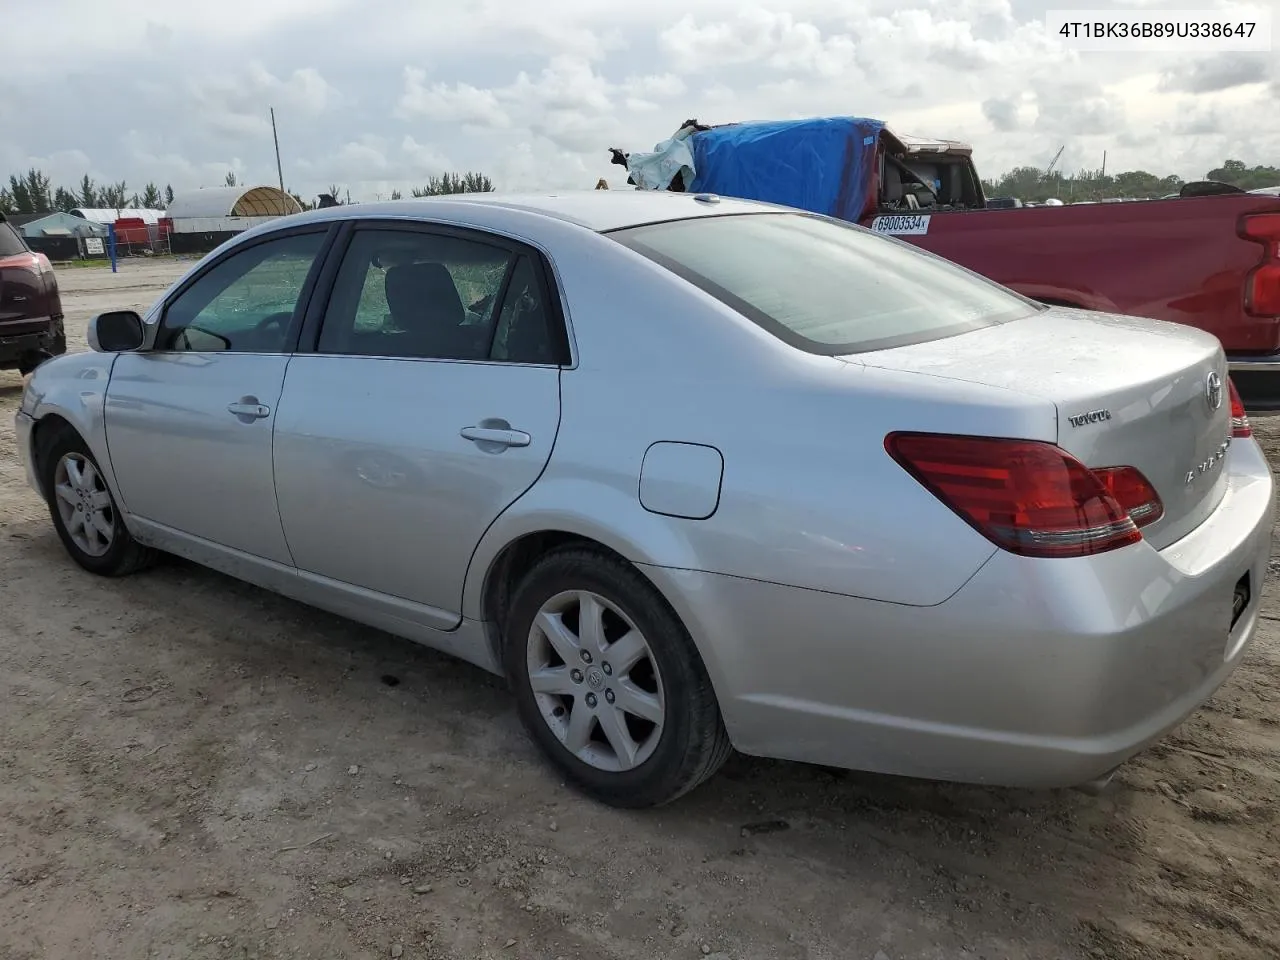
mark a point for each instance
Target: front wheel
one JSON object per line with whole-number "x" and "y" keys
{"x": 84, "y": 512}
{"x": 608, "y": 682}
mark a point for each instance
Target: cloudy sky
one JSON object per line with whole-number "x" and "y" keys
{"x": 377, "y": 94}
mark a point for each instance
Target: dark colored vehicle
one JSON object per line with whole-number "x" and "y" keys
{"x": 1209, "y": 258}
{"x": 31, "y": 328}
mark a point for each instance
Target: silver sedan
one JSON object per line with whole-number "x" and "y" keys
{"x": 694, "y": 474}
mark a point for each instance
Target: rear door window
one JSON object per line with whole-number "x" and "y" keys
{"x": 825, "y": 286}
{"x": 10, "y": 243}
{"x": 413, "y": 294}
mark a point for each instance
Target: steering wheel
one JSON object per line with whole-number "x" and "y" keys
{"x": 281, "y": 320}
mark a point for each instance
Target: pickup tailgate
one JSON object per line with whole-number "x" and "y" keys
{"x": 1128, "y": 392}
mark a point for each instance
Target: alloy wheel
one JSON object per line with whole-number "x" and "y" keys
{"x": 84, "y": 504}
{"x": 595, "y": 681}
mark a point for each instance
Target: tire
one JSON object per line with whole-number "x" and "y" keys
{"x": 120, "y": 554}
{"x": 669, "y": 681}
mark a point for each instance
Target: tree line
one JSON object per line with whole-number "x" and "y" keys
{"x": 32, "y": 192}
{"x": 1034, "y": 184}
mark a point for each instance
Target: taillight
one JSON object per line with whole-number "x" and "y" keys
{"x": 1240, "y": 426}
{"x": 1262, "y": 285}
{"x": 1028, "y": 497}
{"x": 1134, "y": 492}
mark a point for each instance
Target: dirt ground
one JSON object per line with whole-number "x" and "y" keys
{"x": 193, "y": 768}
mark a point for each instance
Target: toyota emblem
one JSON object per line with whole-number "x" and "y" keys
{"x": 1213, "y": 390}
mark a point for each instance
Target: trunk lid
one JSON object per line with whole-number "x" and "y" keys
{"x": 1128, "y": 392}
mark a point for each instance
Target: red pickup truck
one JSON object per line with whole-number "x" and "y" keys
{"x": 1211, "y": 262}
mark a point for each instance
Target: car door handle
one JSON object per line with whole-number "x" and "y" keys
{"x": 497, "y": 436}
{"x": 248, "y": 410}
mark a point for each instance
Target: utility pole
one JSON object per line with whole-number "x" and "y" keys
{"x": 276, "y": 139}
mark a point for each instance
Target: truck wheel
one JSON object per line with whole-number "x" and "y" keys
{"x": 32, "y": 359}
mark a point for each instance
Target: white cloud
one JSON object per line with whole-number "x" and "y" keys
{"x": 379, "y": 94}
{"x": 451, "y": 103}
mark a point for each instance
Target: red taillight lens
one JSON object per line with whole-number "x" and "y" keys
{"x": 1240, "y": 426}
{"x": 1028, "y": 497}
{"x": 1262, "y": 285}
{"x": 1262, "y": 291}
{"x": 1134, "y": 492}
{"x": 1262, "y": 227}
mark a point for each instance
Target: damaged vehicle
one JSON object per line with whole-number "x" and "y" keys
{"x": 1209, "y": 258}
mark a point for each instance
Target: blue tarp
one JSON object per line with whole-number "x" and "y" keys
{"x": 822, "y": 164}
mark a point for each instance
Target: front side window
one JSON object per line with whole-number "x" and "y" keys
{"x": 246, "y": 303}
{"x": 410, "y": 294}
{"x": 823, "y": 286}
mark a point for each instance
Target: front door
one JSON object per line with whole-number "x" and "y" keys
{"x": 189, "y": 421}
{"x": 430, "y": 405}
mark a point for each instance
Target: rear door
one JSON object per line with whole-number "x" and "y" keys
{"x": 189, "y": 422}
{"x": 429, "y": 402}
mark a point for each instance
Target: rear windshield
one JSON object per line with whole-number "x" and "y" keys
{"x": 10, "y": 243}
{"x": 825, "y": 286}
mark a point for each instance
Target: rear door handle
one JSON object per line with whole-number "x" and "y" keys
{"x": 496, "y": 436}
{"x": 249, "y": 409}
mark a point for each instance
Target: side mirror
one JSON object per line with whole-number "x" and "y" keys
{"x": 115, "y": 332}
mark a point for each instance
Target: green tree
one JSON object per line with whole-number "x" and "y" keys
{"x": 231, "y": 178}
{"x": 1238, "y": 173}
{"x": 168, "y": 194}
{"x": 64, "y": 200}
{"x": 151, "y": 196}
{"x": 114, "y": 197}
{"x": 88, "y": 195}
{"x": 448, "y": 183}
{"x": 37, "y": 188}
{"x": 21, "y": 197}
{"x": 6, "y": 201}
{"x": 396, "y": 195}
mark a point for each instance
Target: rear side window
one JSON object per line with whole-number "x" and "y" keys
{"x": 418, "y": 295}
{"x": 10, "y": 243}
{"x": 824, "y": 286}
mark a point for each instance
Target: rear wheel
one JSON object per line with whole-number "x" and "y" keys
{"x": 84, "y": 512}
{"x": 609, "y": 683}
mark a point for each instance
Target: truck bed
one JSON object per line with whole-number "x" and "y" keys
{"x": 1180, "y": 260}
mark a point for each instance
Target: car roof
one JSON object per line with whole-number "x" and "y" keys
{"x": 598, "y": 210}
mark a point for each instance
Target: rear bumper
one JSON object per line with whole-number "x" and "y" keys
{"x": 1248, "y": 363}
{"x": 1036, "y": 673}
{"x": 48, "y": 337}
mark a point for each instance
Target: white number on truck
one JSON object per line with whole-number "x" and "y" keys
{"x": 916, "y": 226}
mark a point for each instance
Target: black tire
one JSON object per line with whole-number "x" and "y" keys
{"x": 124, "y": 555}
{"x": 693, "y": 743}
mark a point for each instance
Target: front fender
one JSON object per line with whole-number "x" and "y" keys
{"x": 74, "y": 388}
{"x": 598, "y": 511}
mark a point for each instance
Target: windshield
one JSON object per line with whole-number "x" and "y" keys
{"x": 825, "y": 286}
